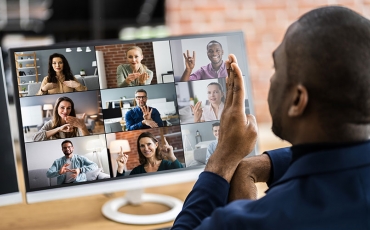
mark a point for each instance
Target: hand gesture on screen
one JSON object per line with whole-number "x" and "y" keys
{"x": 63, "y": 169}
{"x": 75, "y": 172}
{"x": 49, "y": 86}
{"x": 121, "y": 161}
{"x": 150, "y": 123}
{"x": 197, "y": 111}
{"x": 66, "y": 128}
{"x": 167, "y": 151}
{"x": 242, "y": 135}
{"x": 71, "y": 84}
{"x": 131, "y": 77}
{"x": 142, "y": 78}
{"x": 76, "y": 122}
{"x": 147, "y": 112}
{"x": 189, "y": 61}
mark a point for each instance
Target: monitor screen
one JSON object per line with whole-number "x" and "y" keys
{"x": 105, "y": 116}
{"x": 9, "y": 191}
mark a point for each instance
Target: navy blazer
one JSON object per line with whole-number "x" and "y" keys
{"x": 321, "y": 190}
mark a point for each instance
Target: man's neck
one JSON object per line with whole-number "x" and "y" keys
{"x": 69, "y": 156}
{"x": 217, "y": 65}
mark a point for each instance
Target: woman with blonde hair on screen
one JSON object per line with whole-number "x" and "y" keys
{"x": 151, "y": 156}
{"x": 214, "y": 110}
{"x": 64, "y": 123}
{"x": 60, "y": 78}
{"x": 134, "y": 73}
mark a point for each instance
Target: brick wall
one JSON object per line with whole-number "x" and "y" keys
{"x": 131, "y": 136}
{"x": 263, "y": 22}
{"x": 114, "y": 55}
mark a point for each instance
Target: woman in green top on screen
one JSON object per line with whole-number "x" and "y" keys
{"x": 134, "y": 73}
{"x": 150, "y": 157}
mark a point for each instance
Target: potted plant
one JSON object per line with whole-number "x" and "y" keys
{"x": 82, "y": 72}
{"x": 24, "y": 89}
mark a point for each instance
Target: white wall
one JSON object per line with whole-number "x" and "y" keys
{"x": 163, "y": 62}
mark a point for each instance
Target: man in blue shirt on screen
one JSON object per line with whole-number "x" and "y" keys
{"x": 71, "y": 167}
{"x": 319, "y": 100}
{"x": 142, "y": 116}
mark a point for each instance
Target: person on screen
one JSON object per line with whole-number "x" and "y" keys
{"x": 142, "y": 116}
{"x": 328, "y": 164}
{"x": 64, "y": 123}
{"x": 212, "y": 147}
{"x": 151, "y": 157}
{"x": 70, "y": 168}
{"x": 60, "y": 78}
{"x": 134, "y": 73}
{"x": 212, "y": 111}
{"x": 215, "y": 69}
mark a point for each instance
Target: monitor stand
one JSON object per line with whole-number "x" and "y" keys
{"x": 136, "y": 197}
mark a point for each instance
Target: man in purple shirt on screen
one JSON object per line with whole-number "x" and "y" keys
{"x": 215, "y": 69}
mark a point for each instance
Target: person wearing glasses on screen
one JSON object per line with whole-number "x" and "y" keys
{"x": 215, "y": 69}
{"x": 60, "y": 78}
{"x": 212, "y": 111}
{"x": 64, "y": 123}
{"x": 70, "y": 168}
{"x": 152, "y": 158}
{"x": 134, "y": 73}
{"x": 142, "y": 116}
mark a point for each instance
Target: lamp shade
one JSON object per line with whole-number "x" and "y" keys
{"x": 88, "y": 49}
{"x": 94, "y": 63}
{"x": 94, "y": 144}
{"x": 114, "y": 146}
{"x": 79, "y": 49}
{"x": 68, "y": 50}
{"x": 185, "y": 131}
{"x": 48, "y": 107}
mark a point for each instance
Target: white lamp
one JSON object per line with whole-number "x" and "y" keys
{"x": 79, "y": 49}
{"x": 115, "y": 146}
{"x": 48, "y": 108}
{"x": 186, "y": 132}
{"x": 88, "y": 49}
{"x": 68, "y": 50}
{"x": 94, "y": 65}
{"x": 95, "y": 146}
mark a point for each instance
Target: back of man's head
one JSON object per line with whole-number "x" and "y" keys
{"x": 329, "y": 54}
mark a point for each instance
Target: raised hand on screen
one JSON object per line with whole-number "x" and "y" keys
{"x": 167, "y": 151}
{"x": 197, "y": 111}
{"x": 122, "y": 161}
{"x": 189, "y": 60}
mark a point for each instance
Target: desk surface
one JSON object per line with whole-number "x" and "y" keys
{"x": 84, "y": 213}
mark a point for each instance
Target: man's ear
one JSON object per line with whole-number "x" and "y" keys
{"x": 300, "y": 100}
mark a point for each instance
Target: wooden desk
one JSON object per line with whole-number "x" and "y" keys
{"x": 84, "y": 213}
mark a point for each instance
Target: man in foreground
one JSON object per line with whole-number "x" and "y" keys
{"x": 319, "y": 101}
{"x": 71, "y": 167}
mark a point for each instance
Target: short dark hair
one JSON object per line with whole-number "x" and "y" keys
{"x": 215, "y": 124}
{"x": 329, "y": 53}
{"x": 66, "y": 141}
{"x": 212, "y": 42}
{"x": 141, "y": 91}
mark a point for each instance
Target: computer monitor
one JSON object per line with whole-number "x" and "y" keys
{"x": 55, "y": 84}
{"x": 9, "y": 191}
